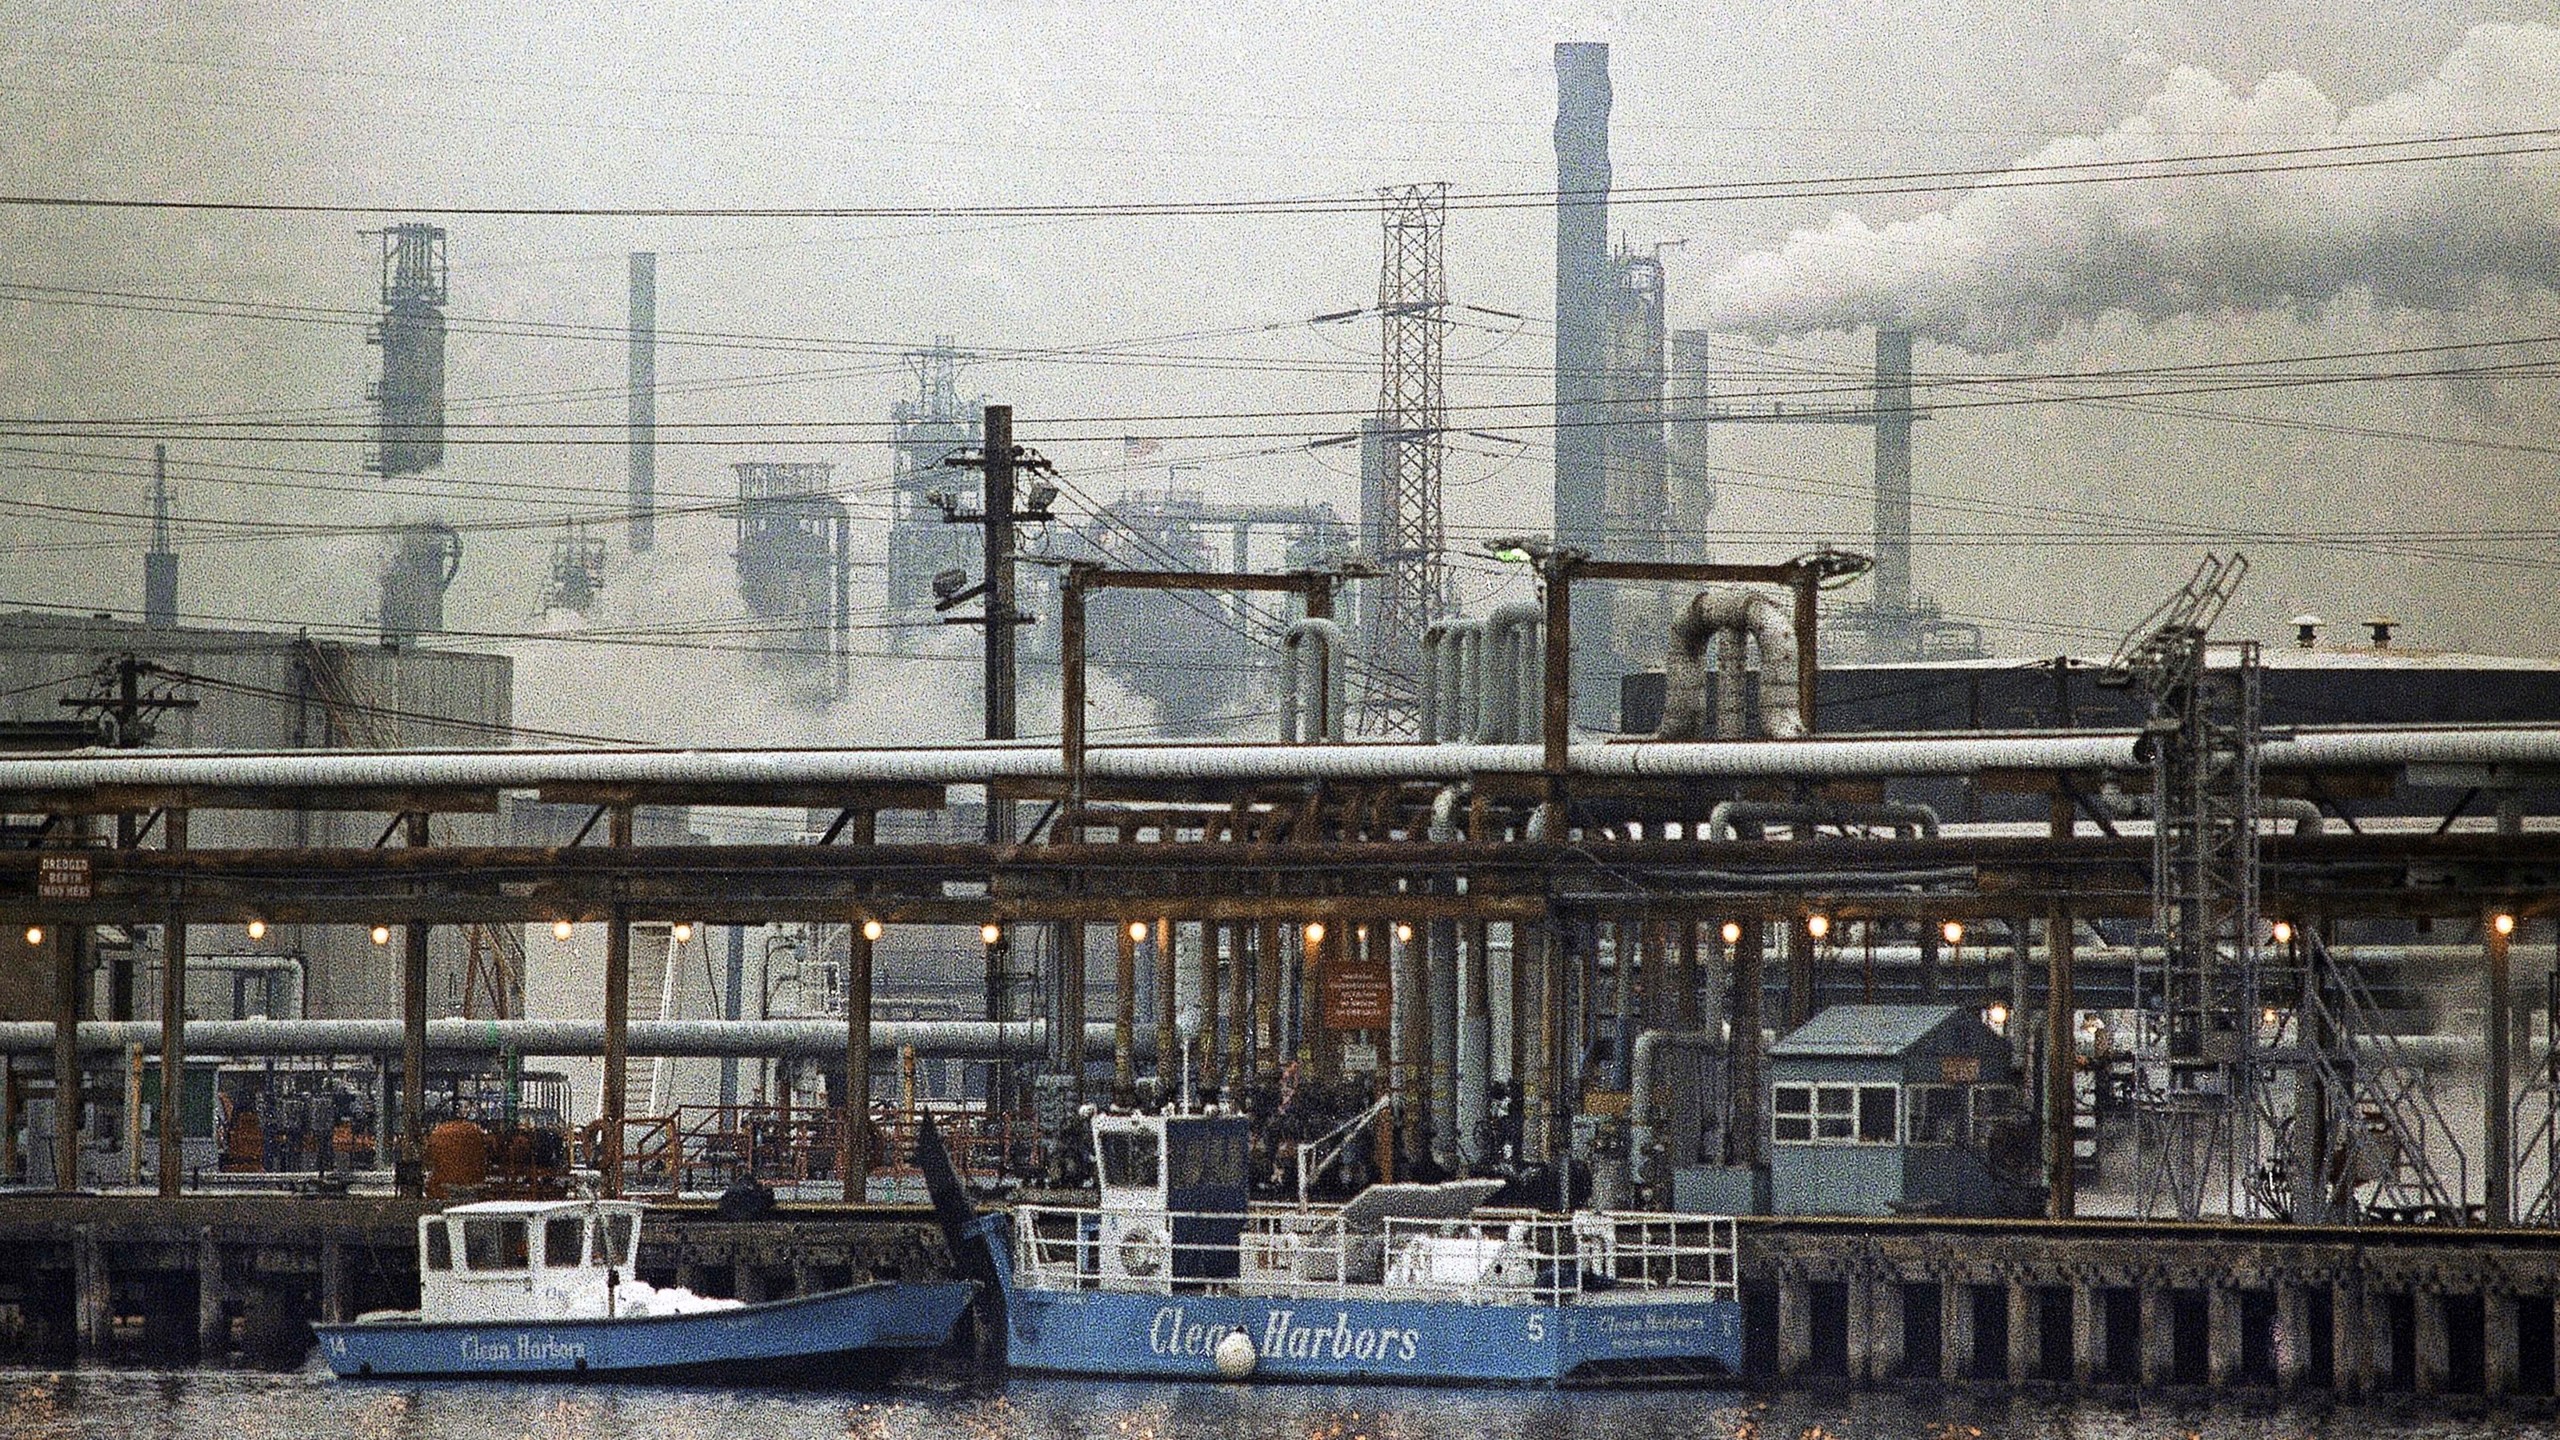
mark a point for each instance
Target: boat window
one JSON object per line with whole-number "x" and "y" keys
{"x": 495, "y": 1244}
{"x": 617, "y": 1230}
{"x": 1129, "y": 1158}
{"x": 560, "y": 1239}
{"x": 1209, "y": 1156}
{"x": 439, "y": 1246}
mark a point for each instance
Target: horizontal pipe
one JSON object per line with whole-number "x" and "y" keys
{"x": 977, "y": 764}
{"x": 1813, "y": 758}
{"x": 954, "y": 1039}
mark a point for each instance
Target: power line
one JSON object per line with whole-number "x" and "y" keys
{"x": 2213, "y": 164}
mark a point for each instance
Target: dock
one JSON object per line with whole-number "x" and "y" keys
{"x": 2079, "y": 1306}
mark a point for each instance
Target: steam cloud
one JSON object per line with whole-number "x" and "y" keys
{"x": 2004, "y": 268}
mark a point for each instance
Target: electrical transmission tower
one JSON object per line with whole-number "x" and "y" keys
{"x": 2196, "y": 1056}
{"x": 1402, "y": 461}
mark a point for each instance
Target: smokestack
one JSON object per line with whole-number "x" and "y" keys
{"x": 418, "y": 564}
{"x": 644, "y": 401}
{"x": 1582, "y": 276}
{"x": 1893, "y": 472}
{"x": 1693, "y": 485}
{"x": 160, "y": 563}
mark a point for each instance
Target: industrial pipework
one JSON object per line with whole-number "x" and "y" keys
{"x": 1314, "y": 694}
{"x": 1726, "y": 615}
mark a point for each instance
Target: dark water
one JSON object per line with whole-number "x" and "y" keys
{"x": 220, "y": 1405}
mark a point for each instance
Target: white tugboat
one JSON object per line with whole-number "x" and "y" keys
{"x": 518, "y": 1289}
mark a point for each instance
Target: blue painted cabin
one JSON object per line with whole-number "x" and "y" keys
{"x": 1899, "y": 1109}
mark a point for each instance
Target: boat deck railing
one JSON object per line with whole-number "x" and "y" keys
{"x": 1490, "y": 1257}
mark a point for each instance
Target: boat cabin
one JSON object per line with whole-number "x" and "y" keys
{"x": 525, "y": 1259}
{"x": 1175, "y": 1191}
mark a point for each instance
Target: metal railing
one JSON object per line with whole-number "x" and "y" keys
{"x": 702, "y": 1149}
{"x": 1490, "y": 1257}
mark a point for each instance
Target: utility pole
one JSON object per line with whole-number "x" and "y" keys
{"x": 997, "y": 515}
{"x": 1000, "y": 462}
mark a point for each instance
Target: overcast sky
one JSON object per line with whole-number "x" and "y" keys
{"x": 2042, "y": 519}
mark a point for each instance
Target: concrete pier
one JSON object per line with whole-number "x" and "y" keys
{"x": 2107, "y": 1305}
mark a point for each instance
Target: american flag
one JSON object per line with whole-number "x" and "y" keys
{"x": 1139, "y": 447}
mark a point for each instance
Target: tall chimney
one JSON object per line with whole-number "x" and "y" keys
{"x": 1893, "y": 473}
{"x": 644, "y": 401}
{"x": 1693, "y": 484}
{"x": 1582, "y": 277}
{"x": 160, "y": 563}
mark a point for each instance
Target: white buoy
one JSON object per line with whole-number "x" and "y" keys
{"x": 1234, "y": 1355}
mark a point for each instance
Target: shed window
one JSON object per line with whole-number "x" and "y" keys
{"x": 560, "y": 1239}
{"x": 1833, "y": 1114}
{"x": 1877, "y": 1105}
{"x": 495, "y": 1244}
{"x": 1791, "y": 1114}
{"x": 1938, "y": 1115}
{"x": 439, "y": 1246}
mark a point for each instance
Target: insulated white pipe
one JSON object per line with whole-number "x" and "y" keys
{"x": 1819, "y": 757}
{"x": 1322, "y": 695}
{"x": 1723, "y": 615}
{"x": 1726, "y": 815}
{"x": 960, "y": 1039}
{"x": 1514, "y": 638}
{"x": 1822, "y": 757}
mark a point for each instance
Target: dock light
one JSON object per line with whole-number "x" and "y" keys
{"x": 1732, "y": 932}
{"x": 257, "y": 929}
{"x": 1953, "y": 930}
{"x": 991, "y": 933}
{"x": 1998, "y": 1015}
{"x": 2283, "y": 932}
{"x": 1404, "y": 933}
{"x": 561, "y": 930}
{"x": 2503, "y": 923}
{"x": 1138, "y": 931}
{"x": 681, "y": 933}
{"x": 1315, "y": 932}
{"x": 1817, "y": 926}
{"x": 381, "y": 934}
{"x": 35, "y": 934}
{"x": 870, "y": 929}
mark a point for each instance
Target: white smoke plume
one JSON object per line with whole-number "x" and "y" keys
{"x": 2003, "y": 268}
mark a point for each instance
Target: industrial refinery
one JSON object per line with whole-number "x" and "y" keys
{"x": 2080, "y": 908}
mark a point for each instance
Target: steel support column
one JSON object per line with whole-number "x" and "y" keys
{"x": 617, "y": 1020}
{"x": 412, "y": 1167}
{"x": 173, "y": 1027}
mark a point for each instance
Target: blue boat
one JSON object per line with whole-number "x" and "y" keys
{"x": 1174, "y": 1274}
{"x": 522, "y": 1290}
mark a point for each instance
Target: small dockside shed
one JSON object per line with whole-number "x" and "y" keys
{"x": 1898, "y": 1109}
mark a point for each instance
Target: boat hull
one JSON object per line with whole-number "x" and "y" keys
{"x": 840, "y": 1337}
{"x": 1344, "y": 1338}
